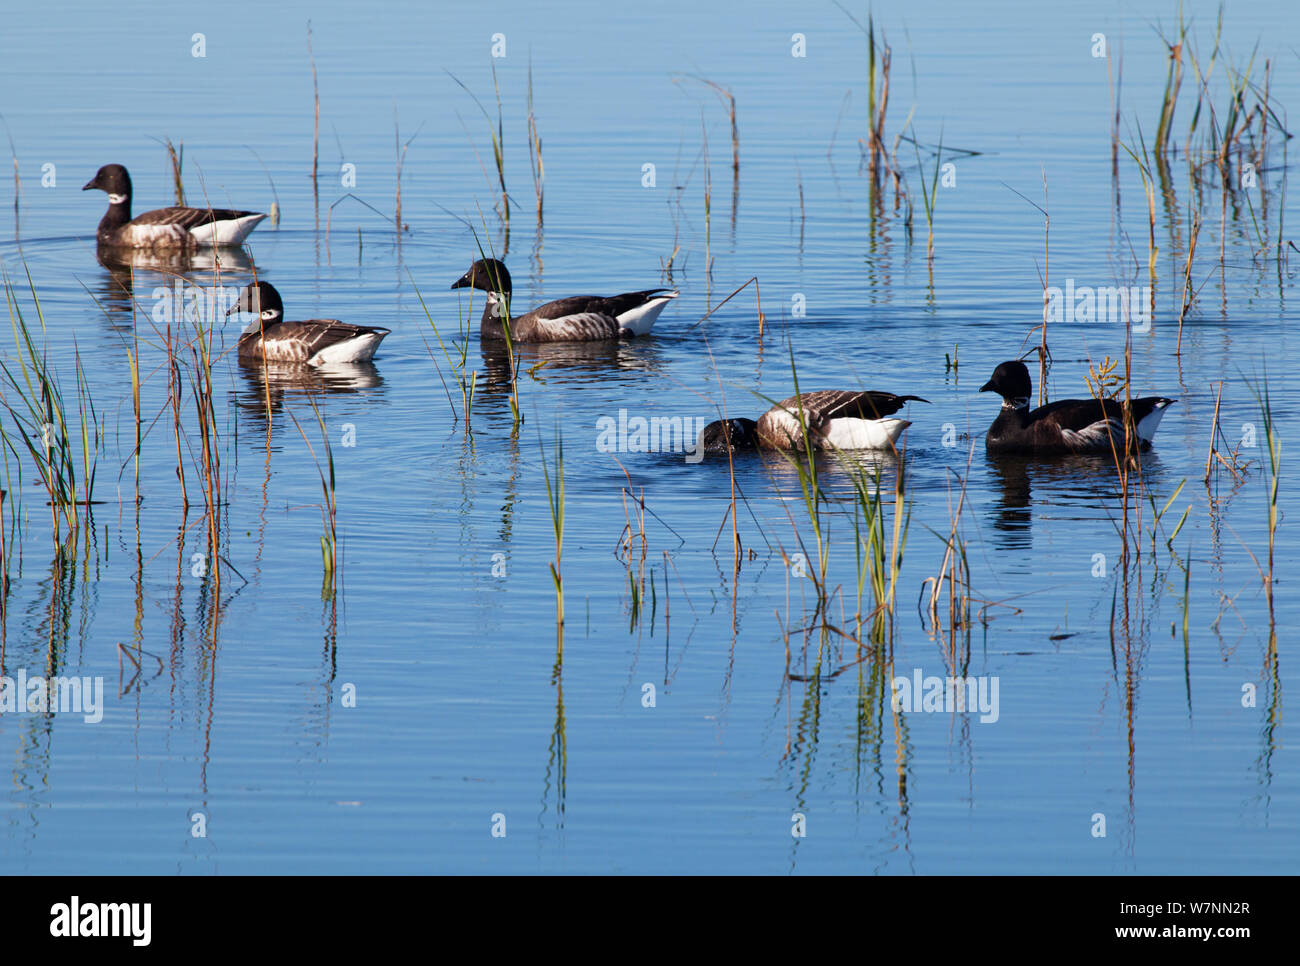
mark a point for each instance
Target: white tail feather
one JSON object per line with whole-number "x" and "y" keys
{"x": 851, "y": 433}
{"x": 231, "y": 232}
{"x": 360, "y": 348}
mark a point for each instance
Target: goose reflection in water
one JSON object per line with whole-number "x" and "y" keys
{"x": 225, "y": 268}
{"x": 573, "y": 363}
{"x": 1073, "y": 487}
{"x": 268, "y": 387}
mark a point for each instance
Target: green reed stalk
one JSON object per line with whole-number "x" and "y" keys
{"x": 34, "y": 400}
{"x": 535, "y": 146}
{"x": 457, "y": 362}
{"x": 1274, "y": 443}
{"x": 1173, "y": 81}
{"x": 329, "y": 541}
{"x": 804, "y": 461}
{"x": 209, "y": 433}
{"x": 929, "y": 195}
{"x": 555, "y": 500}
{"x": 1148, "y": 186}
{"x": 176, "y": 156}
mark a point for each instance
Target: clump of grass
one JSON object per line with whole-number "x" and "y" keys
{"x": 879, "y": 552}
{"x": 879, "y": 59}
{"x": 33, "y": 397}
{"x": 1148, "y": 186}
{"x": 1173, "y": 81}
{"x": 204, "y": 396}
{"x": 954, "y": 571}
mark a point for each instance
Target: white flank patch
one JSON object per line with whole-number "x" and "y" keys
{"x": 844, "y": 433}
{"x": 232, "y": 232}
{"x": 157, "y": 236}
{"x": 360, "y": 348}
{"x": 640, "y": 320}
{"x": 580, "y": 327}
{"x": 850, "y": 433}
{"x": 1095, "y": 435}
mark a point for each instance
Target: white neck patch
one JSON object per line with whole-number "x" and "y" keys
{"x": 116, "y": 199}
{"x": 266, "y": 318}
{"x": 497, "y": 304}
{"x": 1019, "y": 402}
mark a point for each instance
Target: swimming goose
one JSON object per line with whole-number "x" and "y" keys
{"x": 836, "y": 419}
{"x": 580, "y": 318}
{"x": 1067, "y": 425}
{"x": 164, "y": 228}
{"x": 316, "y": 342}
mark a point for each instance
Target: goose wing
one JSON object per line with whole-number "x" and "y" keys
{"x": 300, "y": 341}
{"x": 188, "y": 218}
{"x": 1090, "y": 423}
{"x": 827, "y": 404}
{"x": 613, "y": 306}
{"x": 565, "y": 320}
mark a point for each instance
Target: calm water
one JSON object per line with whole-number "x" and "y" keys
{"x": 242, "y": 723}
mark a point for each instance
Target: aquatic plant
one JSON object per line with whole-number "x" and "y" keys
{"x": 32, "y": 395}
{"x": 329, "y": 541}
{"x": 555, "y": 500}
{"x": 535, "y": 146}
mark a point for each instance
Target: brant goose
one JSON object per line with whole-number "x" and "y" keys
{"x": 580, "y": 318}
{"x": 1067, "y": 425}
{"x": 836, "y": 419}
{"x": 164, "y": 228}
{"x": 317, "y": 342}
